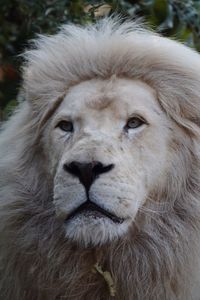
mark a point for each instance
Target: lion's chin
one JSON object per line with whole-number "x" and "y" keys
{"x": 94, "y": 229}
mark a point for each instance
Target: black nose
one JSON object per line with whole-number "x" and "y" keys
{"x": 87, "y": 172}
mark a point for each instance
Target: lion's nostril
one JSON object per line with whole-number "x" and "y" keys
{"x": 99, "y": 168}
{"x": 72, "y": 168}
{"x": 87, "y": 172}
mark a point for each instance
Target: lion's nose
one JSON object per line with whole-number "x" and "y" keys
{"x": 87, "y": 172}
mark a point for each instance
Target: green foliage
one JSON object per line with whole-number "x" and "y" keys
{"x": 21, "y": 19}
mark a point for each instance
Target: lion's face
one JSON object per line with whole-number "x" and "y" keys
{"x": 107, "y": 146}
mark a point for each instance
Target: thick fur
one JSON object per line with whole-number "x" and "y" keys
{"x": 158, "y": 258}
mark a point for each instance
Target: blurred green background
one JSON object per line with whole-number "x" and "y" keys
{"x": 21, "y": 20}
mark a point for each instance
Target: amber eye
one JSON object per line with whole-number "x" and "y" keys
{"x": 134, "y": 122}
{"x": 65, "y": 126}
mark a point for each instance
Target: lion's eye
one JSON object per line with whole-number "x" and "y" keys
{"x": 65, "y": 126}
{"x": 134, "y": 122}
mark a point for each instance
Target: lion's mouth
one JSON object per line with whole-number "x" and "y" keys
{"x": 89, "y": 208}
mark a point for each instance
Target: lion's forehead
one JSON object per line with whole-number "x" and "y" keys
{"x": 113, "y": 98}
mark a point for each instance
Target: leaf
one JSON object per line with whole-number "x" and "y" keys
{"x": 108, "y": 278}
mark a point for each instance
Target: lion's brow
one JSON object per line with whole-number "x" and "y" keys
{"x": 99, "y": 103}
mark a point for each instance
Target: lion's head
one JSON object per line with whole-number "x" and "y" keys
{"x": 101, "y": 164}
{"x": 108, "y": 149}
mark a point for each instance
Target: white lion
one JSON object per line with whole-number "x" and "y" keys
{"x": 99, "y": 169}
